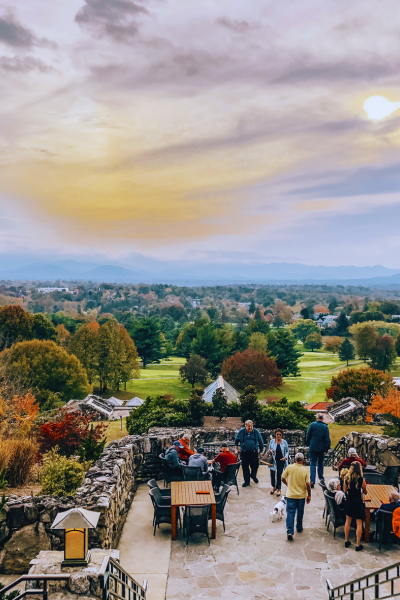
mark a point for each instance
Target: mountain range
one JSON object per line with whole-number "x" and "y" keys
{"x": 141, "y": 269}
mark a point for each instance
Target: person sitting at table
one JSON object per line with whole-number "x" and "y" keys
{"x": 354, "y": 486}
{"x": 185, "y": 452}
{"x": 225, "y": 458}
{"x": 352, "y": 457}
{"x": 172, "y": 458}
{"x": 394, "y": 502}
{"x": 199, "y": 460}
{"x": 335, "y": 492}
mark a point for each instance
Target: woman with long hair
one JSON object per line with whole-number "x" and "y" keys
{"x": 354, "y": 486}
{"x": 280, "y": 454}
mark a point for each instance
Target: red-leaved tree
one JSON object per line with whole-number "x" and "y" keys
{"x": 68, "y": 431}
{"x": 251, "y": 367}
{"x": 361, "y": 384}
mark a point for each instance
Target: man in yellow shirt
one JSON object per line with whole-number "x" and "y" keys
{"x": 297, "y": 479}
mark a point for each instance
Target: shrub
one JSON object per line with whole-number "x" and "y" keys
{"x": 61, "y": 475}
{"x": 220, "y": 404}
{"x": 249, "y": 406}
{"x": 286, "y": 417}
{"x": 22, "y": 458}
{"x": 197, "y": 407}
{"x": 68, "y": 431}
{"x": 161, "y": 411}
{"x": 91, "y": 447}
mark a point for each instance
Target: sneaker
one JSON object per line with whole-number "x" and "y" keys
{"x": 312, "y": 485}
{"x": 245, "y": 484}
{"x": 290, "y": 537}
{"x": 359, "y": 548}
{"x": 254, "y": 479}
{"x": 347, "y": 544}
{"x": 299, "y": 530}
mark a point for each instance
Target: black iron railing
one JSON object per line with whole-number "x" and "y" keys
{"x": 117, "y": 584}
{"x": 382, "y": 584}
{"x": 34, "y": 591}
{"x": 337, "y": 453}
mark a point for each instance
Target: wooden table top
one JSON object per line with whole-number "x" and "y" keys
{"x": 378, "y": 494}
{"x": 183, "y": 493}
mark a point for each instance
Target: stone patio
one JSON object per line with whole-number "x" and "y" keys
{"x": 253, "y": 559}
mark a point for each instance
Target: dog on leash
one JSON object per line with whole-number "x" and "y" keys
{"x": 279, "y": 509}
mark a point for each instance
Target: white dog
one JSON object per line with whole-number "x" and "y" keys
{"x": 279, "y": 509}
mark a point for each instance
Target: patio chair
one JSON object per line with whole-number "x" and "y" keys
{"x": 221, "y": 499}
{"x": 170, "y": 474}
{"x": 192, "y": 473}
{"x": 337, "y": 515}
{"x": 373, "y": 477}
{"x": 327, "y": 509}
{"x": 162, "y": 513}
{"x": 230, "y": 475}
{"x": 384, "y": 529}
{"x": 196, "y": 521}
{"x": 391, "y": 476}
{"x": 165, "y": 493}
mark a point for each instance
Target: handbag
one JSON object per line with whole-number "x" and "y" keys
{"x": 268, "y": 457}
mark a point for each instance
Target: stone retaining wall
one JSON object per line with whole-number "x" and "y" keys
{"x": 374, "y": 448}
{"x": 108, "y": 488}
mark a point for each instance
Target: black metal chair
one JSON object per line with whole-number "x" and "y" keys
{"x": 391, "y": 476}
{"x": 384, "y": 528}
{"x": 327, "y": 508}
{"x": 373, "y": 477}
{"x": 230, "y": 474}
{"x": 165, "y": 493}
{"x": 196, "y": 521}
{"x": 221, "y": 499}
{"x": 192, "y": 473}
{"x": 337, "y": 515}
{"x": 162, "y": 512}
{"x": 170, "y": 474}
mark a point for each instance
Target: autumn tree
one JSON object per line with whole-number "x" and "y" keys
{"x": 389, "y": 407}
{"x": 146, "y": 334}
{"x": 194, "y": 370}
{"x": 249, "y": 406}
{"x": 220, "y": 404}
{"x": 346, "y": 351}
{"x": 283, "y": 349}
{"x": 15, "y": 325}
{"x": 46, "y": 369}
{"x": 18, "y": 414}
{"x": 68, "y": 430}
{"x": 383, "y": 354}
{"x": 251, "y": 367}
{"x": 332, "y": 343}
{"x": 43, "y": 328}
{"x": 127, "y": 366}
{"x": 313, "y": 341}
{"x": 84, "y": 345}
{"x": 282, "y": 311}
{"x": 302, "y": 328}
{"x": 63, "y": 336}
{"x": 360, "y": 384}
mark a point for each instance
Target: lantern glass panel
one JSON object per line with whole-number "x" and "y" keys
{"x": 74, "y": 544}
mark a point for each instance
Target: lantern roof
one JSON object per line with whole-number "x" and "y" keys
{"x": 76, "y": 518}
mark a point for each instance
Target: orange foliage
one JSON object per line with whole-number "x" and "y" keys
{"x": 319, "y": 308}
{"x": 390, "y": 404}
{"x": 17, "y": 416}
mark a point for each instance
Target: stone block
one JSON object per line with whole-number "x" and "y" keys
{"x": 79, "y": 583}
{"x": 22, "y": 547}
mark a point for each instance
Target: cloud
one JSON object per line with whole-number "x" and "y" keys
{"x": 237, "y": 25}
{"x": 13, "y": 33}
{"x": 23, "y": 65}
{"x": 116, "y": 19}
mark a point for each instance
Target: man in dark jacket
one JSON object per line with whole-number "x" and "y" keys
{"x": 251, "y": 446}
{"x": 172, "y": 458}
{"x": 319, "y": 442}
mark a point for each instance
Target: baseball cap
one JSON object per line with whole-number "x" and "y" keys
{"x": 352, "y": 451}
{"x": 177, "y": 443}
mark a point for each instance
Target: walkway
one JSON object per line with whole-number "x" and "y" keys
{"x": 252, "y": 559}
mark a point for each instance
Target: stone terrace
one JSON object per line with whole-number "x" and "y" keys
{"x": 252, "y": 559}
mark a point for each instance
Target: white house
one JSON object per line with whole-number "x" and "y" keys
{"x": 230, "y": 393}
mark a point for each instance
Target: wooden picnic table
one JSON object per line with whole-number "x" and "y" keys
{"x": 377, "y": 495}
{"x": 183, "y": 493}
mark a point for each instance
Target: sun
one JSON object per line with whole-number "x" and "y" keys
{"x": 379, "y": 107}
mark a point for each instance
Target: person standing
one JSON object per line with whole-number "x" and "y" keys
{"x": 251, "y": 446}
{"x": 280, "y": 453}
{"x": 354, "y": 486}
{"x": 319, "y": 442}
{"x": 297, "y": 479}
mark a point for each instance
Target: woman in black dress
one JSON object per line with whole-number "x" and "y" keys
{"x": 354, "y": 486}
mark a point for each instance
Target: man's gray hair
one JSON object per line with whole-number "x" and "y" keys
{"x": 248, "y": 421}
{"x": 299, "y": 457}
{"x": 320, "y": 417}
{"x": 351, "y": 452}
{"x": 333, "y": 484}
{"x": 394, "y": 496}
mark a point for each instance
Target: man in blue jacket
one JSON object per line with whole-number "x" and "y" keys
{"x": 251, "y": 446}
{"x": 319, "y": 442}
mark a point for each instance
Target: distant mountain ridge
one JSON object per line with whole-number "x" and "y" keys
{"x": 185, "y": 272}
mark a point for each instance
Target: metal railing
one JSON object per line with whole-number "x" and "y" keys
{"x": 34, "y": 591}
{"x": 117, "y": 584}
{"x": 382, "y": 584}
{"x": 338, "y": 453}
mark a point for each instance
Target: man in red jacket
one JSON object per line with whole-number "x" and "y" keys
{"x": 223, "y": 459}
{"x": 352, "y": 456}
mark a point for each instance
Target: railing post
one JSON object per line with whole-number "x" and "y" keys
{"x": 44, "y": 589}
{"x": 352, "y": 591}
{"x": 376, "y": 585}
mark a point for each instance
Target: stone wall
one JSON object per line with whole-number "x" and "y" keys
{"x": 374, "y": 448}
{"x": 356, "y": 414}
{"x": 108, "y": 488}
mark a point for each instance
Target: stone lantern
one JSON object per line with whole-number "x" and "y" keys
{"x": 76, "y": 523}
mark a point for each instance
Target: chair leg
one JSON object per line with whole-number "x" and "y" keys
{"x": 223, "y": 522}
{"x": 327, "y": 527}
{"x": 334, "y": 531}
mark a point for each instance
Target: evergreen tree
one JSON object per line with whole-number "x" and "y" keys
{"x": 346, "y": 351}
{"x": 91, "y": 448}
{"x": 342, "y": 325}
{"x": 220, "y": 404}
{"x": 283, "y": 348}
{"x": 146, "y": 334}
{"x": 197, "y": 407}
{"x": 252, "y": 307}
{"x": 194, "y": 370}
{"x": 207, "y": 346}
{"x": 305, "y": 313}
{"x": 249, "y": 407}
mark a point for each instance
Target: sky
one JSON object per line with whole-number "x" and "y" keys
{"x": 213, "y": 130}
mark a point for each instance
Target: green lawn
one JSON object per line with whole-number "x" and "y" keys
{"x": 338, "y": 431}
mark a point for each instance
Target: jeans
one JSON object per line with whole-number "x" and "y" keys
{"x": 317, "y": 460}
{"x": 294, "y": 505}
{"x": 277, "y": 474}
{"x": 249, "y": 461}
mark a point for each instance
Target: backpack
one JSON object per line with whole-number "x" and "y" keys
{"x": 396, "y": 522}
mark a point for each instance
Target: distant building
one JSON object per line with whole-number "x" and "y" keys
{"x": 245, "y": 304}
{"x": 108, "y": 409}
{"x": 196, "y": 302}
{"x": 317, "y": 407}
{"x": 230, "y": 393}
{"x": 134, "y": 402}
{"x": 49, "y": 290}
{"x": 327, "y": 321}
{"x": 396, "y": 382}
